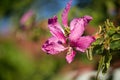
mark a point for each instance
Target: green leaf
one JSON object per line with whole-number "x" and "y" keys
{"x": 116, "y": 37}
{"x": 101, "y": 62}
{"x": 98, "y": 50}
{"x": 111, "y": 31}
{"x": 107, "y": 60}
{"x": 115, "y": 45}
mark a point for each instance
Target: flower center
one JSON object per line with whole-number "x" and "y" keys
{"x": 67, "y": 31}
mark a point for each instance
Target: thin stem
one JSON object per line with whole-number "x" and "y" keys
{"x": 100, "y": 67}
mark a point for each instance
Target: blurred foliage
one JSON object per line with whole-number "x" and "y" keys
{"x": 8, "y": 7}
{"x": 17, "y": 65}
{"x": 13, "y": 62}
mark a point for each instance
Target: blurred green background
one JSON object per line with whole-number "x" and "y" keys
{"x": 21, "y": 57}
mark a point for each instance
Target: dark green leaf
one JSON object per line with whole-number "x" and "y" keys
{"x": 115, "y": 45}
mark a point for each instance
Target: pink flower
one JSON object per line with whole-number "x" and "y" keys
{"x": 26, "y": 17}
{"x": 74, "y": 39}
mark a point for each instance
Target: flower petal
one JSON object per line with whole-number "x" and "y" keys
{"x": 77, "y": 27}
{"x": 55, "y": 29}
{"x": 53, "y": 46}
{"x": 70, "y": 55}
{"x": 65, "y": 14}
{"x": 87, "y": 19}
{"x": 84, "y": 42}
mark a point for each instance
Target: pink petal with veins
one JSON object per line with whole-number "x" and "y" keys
{"x": 70, "y": 55}
{"x": 53, "y": 46}
{"x": 77, "y": 27}
{"x": 65, "y": 14}
{"x": 55, "y": 29}
{"x": 84, "y": 42}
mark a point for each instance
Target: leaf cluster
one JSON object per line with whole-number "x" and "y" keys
{"x": 106, "y": 44}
